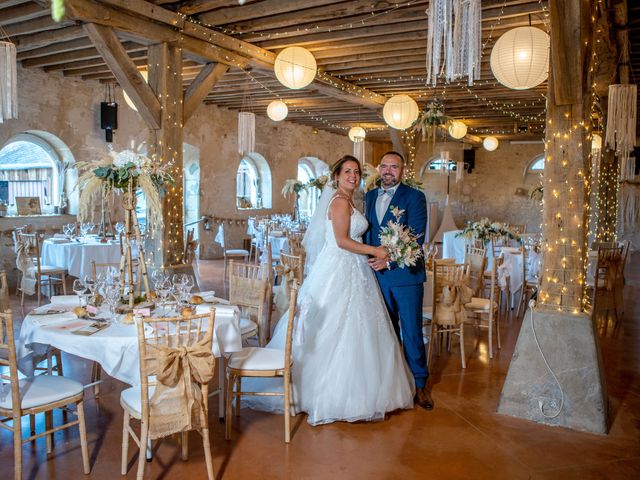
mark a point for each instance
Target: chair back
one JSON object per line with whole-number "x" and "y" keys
{"x": 626, "y": 245}
{"x": 249, "y": 289}
{"x": 608, "y": 264}
{"x": 293, "y": 300}
{"x": 30, "y": 242}
{"x": 190, "y": 247}
{"x": 446, "y": 274}
{"x": 4, "y": 292}
{"x": 8, "y": 360}
{"x": 292, "y": 267}
{"x": 518, "y": 228}
{"x": 476, "y": 260}
{"x": 174, "y": 333}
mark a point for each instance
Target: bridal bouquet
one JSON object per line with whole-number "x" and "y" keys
{"x": 401, "y": 243}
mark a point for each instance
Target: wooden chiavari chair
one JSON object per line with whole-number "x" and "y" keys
{"x": 486, "y": 311}
{"x": 263, "y": 362}
{"x": 34, "y": 395}
{"x": 249, "y": 289}
{"x": 169, "y": 335}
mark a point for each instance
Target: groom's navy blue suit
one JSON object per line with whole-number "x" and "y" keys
{"x": 402, "y": 288}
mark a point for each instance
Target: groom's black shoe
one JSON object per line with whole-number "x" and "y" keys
{"x": 423, "y": 398}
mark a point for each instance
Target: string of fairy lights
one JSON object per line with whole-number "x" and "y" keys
{"x": 569, "y": 228}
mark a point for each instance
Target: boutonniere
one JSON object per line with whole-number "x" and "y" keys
{"x": 396, "y": 212}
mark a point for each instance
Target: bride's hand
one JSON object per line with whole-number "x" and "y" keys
{"x": 381, "y": 253}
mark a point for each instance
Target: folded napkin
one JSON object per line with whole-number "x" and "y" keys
{"x": 59, "y": 240}
{"x": 276, "y": 233}
{"x": 64, "y": 301}
{"x": 221, "y": 310}
{"x": 45, "y": 320}
{"x": 209, "y": 297}
{"x": 59, "y": 235}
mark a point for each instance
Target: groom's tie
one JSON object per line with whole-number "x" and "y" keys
{"x": 383, "y": 201}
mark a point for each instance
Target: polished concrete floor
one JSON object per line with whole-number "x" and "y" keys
{"x": 462, "y": 438}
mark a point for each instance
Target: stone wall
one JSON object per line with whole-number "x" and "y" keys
{"x": 70, "y": 109}
{"x": 497, "y": 188}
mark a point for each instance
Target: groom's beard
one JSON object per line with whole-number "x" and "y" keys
{"x": 389, "y": 182}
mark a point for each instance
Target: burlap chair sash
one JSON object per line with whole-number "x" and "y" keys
{"x": 24, "y": 263}
{"x": 177, "y": 401}
{"x": 451, "y": 308}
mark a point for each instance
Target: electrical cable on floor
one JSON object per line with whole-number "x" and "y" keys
{"x": 532, "y": 304}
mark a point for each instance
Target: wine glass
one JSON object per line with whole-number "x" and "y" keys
{"x": 79, "y": 288}
{"x": 90, "y": 283}
{"x": 111, "y": 296}
{"x": 163, "y": 289}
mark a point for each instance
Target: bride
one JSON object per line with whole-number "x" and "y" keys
{"x": 349, "y": 365}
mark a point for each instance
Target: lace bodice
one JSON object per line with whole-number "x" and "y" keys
{"x": 358, "y": 226}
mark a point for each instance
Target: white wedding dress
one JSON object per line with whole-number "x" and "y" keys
{"x": 348, "y": 365}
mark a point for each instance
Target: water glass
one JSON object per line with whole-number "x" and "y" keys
{"x": 79, "y": 288}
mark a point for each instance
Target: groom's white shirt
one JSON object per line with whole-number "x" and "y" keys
{"x": 383, "y": 201}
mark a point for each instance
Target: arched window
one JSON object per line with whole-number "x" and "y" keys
{"x": 535, "y": 165}
{"x": 437, "y": 164}
{"x": 38, "y": 165}
{"x": 253, "y": 182}
{"x": 247, "y": 193}
{"x": 310, "y": 168}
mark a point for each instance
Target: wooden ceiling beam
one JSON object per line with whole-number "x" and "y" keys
{"x": 42, "y": 39}
{"x": 68, "y": 46}
{"x": 21, "y": 13}
{"x": 32, "y": 26}
{"x": 134, "y": 54}
{"x": 201, "y": 86}
{"x": 259, "y": 9}
{"x": 83, "y": 54}
{"x": 126, "y": 72}
{"x": 257, "y": 57}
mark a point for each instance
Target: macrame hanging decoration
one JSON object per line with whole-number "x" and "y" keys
{"x": 358, "y": 150}
{"x": 8, "y": 82}
{"x": 454, "y": 40}
{"x": 621, "y": 126}
{"x": 246, "y": 132}
{"x": 459, "y": 171}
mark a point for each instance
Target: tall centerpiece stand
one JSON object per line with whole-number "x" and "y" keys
{"x": 127, "y": 172}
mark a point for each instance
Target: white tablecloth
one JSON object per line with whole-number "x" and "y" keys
{"x": 278, "y": 244}
{"x": 116, "y": 347}
{"x": 454, "y": 247}
{"x": 76, "y": 256}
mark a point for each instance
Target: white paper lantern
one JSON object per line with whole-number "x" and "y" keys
{"x": 457, "y": 129}
{"x": 295, "y": 67}
{"x": 490, "y": 143}
{"x": 520, "y": 58}
{"x": 357, "y": 134}
{"x": 277, "y": 110}
{"x": 400, "y": 112}
{"x": 128, "y": 100}
{"x": 596, "y": 142}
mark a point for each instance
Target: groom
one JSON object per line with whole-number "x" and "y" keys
{"x": 402, "y": 288}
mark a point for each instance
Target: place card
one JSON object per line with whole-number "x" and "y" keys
{"x": 90, "y": 329}
{"x": 143, "y": 312}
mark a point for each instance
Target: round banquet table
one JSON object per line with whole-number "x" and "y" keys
{"x": 76, "y": 255}
{"x": 115, "y": 348}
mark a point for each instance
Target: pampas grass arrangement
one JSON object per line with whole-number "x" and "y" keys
{"x": 124, "y": 172}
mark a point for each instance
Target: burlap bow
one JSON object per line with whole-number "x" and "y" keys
{"x": 26, "y": 266}
{"x": 177, "y": 403}
{"x": 286, "y": 272}
{"x": 451, "y": 310}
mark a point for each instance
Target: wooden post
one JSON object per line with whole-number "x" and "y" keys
{"x": 567, "y": 166}
{"x": 165, "y": 79}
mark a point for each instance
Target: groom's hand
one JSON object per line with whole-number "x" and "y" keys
{"x": 378, "y": 264}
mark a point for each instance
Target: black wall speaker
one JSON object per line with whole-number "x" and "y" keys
{"x": 469, "y": 160}
{"x": 108, "y": 118}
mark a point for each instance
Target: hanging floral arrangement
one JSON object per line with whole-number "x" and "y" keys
{"x": 429, "y": 121}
